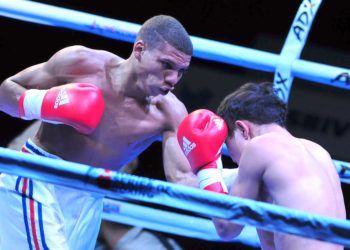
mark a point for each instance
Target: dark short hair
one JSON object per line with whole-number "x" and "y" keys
{"x": 162, "y": 27}
{"x": 254, "y": 102}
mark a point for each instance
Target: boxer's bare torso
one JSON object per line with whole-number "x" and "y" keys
{"x": 308, "y": 182}
{"x": 278, "y": 168}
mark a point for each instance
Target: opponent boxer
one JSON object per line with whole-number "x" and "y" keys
{"x": 274, "y": 166}
{"x": 98, "y": 109}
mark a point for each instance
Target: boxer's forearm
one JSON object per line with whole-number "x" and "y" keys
{"x": 176, "y": 166}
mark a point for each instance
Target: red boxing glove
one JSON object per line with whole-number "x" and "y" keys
{"x": 80, "y": 105}
{"x": 201, "y": 136}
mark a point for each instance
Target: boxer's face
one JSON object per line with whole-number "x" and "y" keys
{"x": 233, "y": 144}
{"x": 162, "y": 68}
{"x": 237, "y": 141}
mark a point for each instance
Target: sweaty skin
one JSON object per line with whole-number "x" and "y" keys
{"x": 278, "y": 168}
{"x": 139, "y": 105}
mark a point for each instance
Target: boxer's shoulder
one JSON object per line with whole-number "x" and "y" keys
{"x": 78, "y": 59}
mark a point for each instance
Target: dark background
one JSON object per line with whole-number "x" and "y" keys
{"x": 317, "y": 112}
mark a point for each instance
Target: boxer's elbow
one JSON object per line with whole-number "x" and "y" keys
{"x": 227, "y": 235}
{"x": 226, "y": 229}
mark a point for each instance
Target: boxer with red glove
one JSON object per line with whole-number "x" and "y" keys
{"x": 201, "y": 136}
{"x": 80, "y": 105}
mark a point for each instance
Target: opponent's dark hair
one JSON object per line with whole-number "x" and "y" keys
{"x": 254, "y": 102}
{"x": 162, "y": 28}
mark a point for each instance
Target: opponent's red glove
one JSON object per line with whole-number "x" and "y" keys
{"x": 79, "y": 105}
{"x": 201, "y": 135}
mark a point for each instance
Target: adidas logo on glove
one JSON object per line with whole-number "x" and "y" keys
{"x": 219, "y": 123}
{"x": 187, "y": 145}
{"x": 61, "y": 99}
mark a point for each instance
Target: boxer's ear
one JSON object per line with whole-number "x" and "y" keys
{"x": 138, "y": 49}
{"x": 244, "y": 129}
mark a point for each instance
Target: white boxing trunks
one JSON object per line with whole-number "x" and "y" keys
{"x": 37, "y": 215}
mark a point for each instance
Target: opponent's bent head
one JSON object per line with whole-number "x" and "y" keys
{"x": 246, "y": 110}
{"x": 254, "y": 102}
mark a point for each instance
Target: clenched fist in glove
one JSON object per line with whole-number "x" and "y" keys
{"x": 80, "y": 105}
{"x": 201, "y": 136}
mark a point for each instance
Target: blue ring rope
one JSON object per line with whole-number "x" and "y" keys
{"x": 125, "y": 186}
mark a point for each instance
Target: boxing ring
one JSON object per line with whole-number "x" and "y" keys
{"x": 124, "y": 187}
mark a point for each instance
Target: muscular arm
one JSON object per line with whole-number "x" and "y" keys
{"x": 176, "y": 166}
{"x": 13, "y": 87}
{"x": 247, "y": 185}
{"x": 62, "y": 66}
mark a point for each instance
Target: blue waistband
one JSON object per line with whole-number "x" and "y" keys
{"x": 31, "y": 147}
